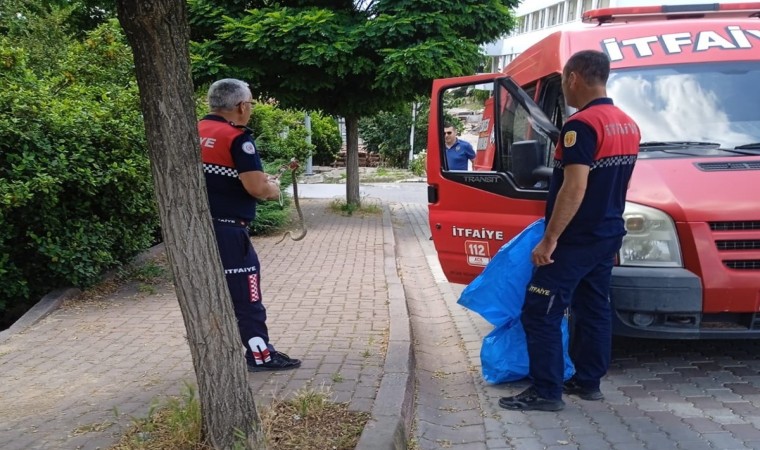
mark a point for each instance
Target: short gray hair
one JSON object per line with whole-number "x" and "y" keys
{"x": 226, "y": 94}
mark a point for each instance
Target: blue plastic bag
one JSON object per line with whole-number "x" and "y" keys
{"x": 504, "y": 353}
{"x": 498, "y": 294}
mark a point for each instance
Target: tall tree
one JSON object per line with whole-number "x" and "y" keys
{"x": 348, "y": 58}
{"x": 158, "y": 34}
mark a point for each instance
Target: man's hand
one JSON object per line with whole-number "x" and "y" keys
{"x": 260, "y": 185}
{"x": 542, "y": 253}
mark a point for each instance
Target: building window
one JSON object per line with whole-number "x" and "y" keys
{"x": 560, "y": 12}
{"x": 535, "y": 24}
{"x": 572, "y": 8}
{"x": 587, "y": 6}
{"x": 603, "y": 4}
{"x": 552, "y": 16}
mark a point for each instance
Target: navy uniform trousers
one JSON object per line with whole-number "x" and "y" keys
{"x": 242, "y": 271}
{"x": 578, "y": 278}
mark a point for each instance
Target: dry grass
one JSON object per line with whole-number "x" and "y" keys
{"x": 308, "y": 420}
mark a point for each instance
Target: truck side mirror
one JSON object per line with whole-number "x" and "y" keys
{"x": 528, "y": 164}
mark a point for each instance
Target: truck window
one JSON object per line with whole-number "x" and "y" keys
{"x": 511, "y": 146}
{"x": 517, "y": 128}
{"x": 552, "y": 102}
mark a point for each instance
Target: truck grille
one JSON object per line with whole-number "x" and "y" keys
{"x": 735, "y": 225}
{"x": 738, "y": 245}
{"x": 725, "y": 166}
{"x": 750, "y": 264}
{"x": 744, "y": 252}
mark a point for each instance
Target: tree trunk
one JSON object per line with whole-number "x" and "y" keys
{"x": 352, "y": 161}
{"x": 158, "y": 33}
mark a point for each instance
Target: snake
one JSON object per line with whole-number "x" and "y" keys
{"x": 293, "y": 166}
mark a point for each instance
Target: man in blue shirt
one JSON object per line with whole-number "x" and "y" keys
{"x": 458, "y": 152}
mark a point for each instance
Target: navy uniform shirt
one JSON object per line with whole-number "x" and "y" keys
{"x": 606, "y": 139}
{"x": 227, "y": 151}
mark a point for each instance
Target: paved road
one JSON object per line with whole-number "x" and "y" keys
{"x": 406, "y": 192}
{"x": 659, "y": 394}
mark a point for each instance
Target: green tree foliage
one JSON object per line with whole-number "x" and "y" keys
{"x": 346, "y": 58}
{"x": 387, "y": 132}
{"x": 338, "y": 57}
{"x": 281, "y": 134}
{"x": 75, "y": 187}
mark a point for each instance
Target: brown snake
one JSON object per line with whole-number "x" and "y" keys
{"x": 293, "y": 166}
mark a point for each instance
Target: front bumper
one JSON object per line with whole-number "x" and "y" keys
{"x": 667, "y": 303}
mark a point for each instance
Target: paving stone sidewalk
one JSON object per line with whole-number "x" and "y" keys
{"x": 74, "y": 379}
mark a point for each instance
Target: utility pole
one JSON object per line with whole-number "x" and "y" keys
{"x": 307, "y": 124}
{"x": 411, "y": 135}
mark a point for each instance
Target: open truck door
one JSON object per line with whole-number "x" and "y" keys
{"x": 473, "y": 213}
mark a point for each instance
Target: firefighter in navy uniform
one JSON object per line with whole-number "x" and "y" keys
{"x": 235, "y": 180}
{"x": 594, "y": 161}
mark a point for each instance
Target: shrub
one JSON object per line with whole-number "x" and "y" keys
{"x": 419, "y": 164}
{"x": 76, "y": 194}
{"x": 326, "y": 138}
{"x": 280, "y": 134}
{"x": 272, "y": 216}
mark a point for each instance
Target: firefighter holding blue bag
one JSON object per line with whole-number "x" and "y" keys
{"x": 594, "y": 159}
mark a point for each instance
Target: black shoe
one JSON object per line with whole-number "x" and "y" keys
{"x": 279, "y": 361}
{"x": 528, "y": 400}
{"x": 571, "y": 387}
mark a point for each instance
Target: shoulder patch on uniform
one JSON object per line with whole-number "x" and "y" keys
{"x": 570, "y": 138}
{"x": 249, "y": 148}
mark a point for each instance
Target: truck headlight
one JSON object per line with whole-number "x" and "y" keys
{"x": 651, "y": 240}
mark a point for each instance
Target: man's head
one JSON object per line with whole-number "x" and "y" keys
{"x": 449, "y": 134}
{"x": 584, "y": 77}
{"x": 231, "y": 99}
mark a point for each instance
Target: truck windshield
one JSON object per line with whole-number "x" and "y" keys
{"x": 705, "y": 102}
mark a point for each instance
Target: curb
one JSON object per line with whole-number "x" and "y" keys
{"x": 392, "y": 411}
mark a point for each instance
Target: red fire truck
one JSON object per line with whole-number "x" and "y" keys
{"x": 689, "y": 75}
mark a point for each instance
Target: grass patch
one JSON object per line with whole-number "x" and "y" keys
{"x": 149, "y": 273}
{"x": 176, "y": 425}
{"x": 348, "y": 209}
{"x": 288, "y": 424}
{"x": 385, "y": 174}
